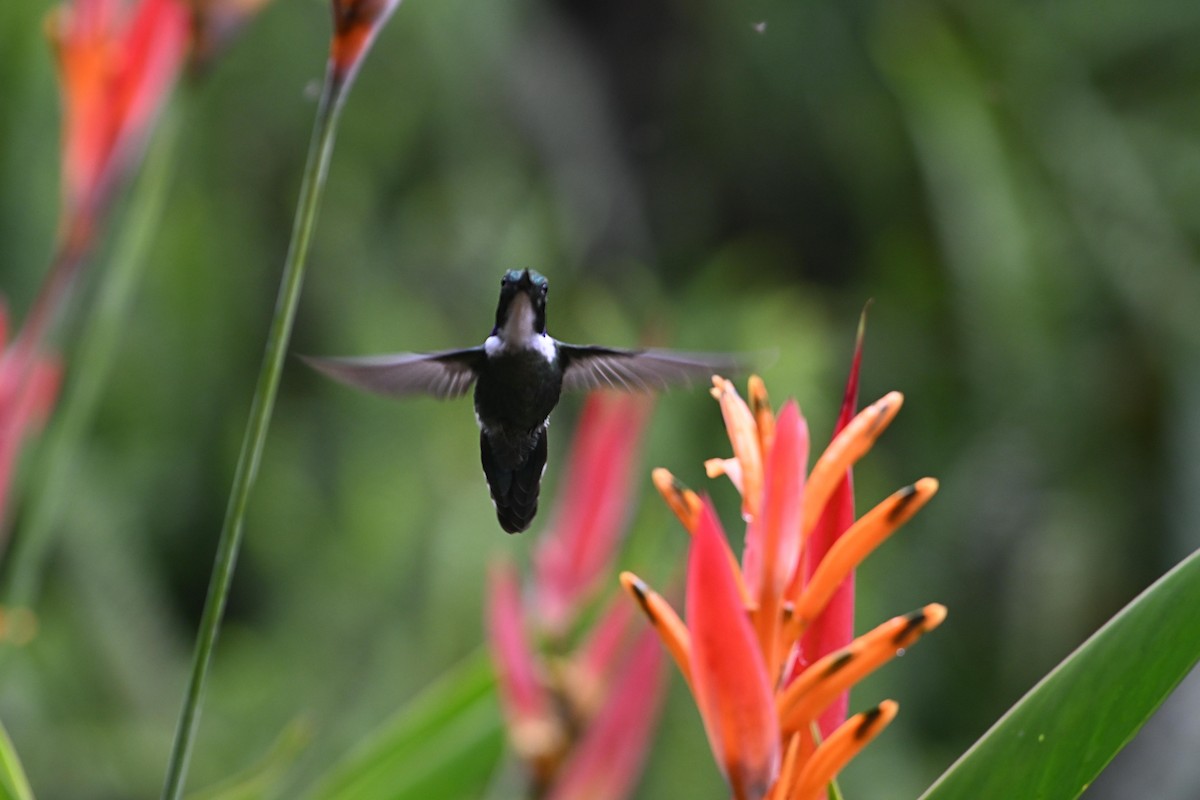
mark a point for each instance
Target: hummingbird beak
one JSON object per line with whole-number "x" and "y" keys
{"x": 523, "y": 295}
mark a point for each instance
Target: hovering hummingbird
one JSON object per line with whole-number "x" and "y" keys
{"x": 519, "y": 373}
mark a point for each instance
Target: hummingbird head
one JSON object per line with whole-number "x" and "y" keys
{"x": 521, "y": 312}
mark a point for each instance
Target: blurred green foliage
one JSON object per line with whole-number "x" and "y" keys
{"x": 1015, "y": 184}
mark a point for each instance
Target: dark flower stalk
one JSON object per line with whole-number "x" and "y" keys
{"x": 356, "y": 23}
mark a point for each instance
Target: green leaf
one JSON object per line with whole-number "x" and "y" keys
{"x": 1054, "y": 742}
{"x": 446, "y": 743}
{"x": 13, "y": 783}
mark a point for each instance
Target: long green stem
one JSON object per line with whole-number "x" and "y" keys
{"x": 91, "y": 362}
{"x": 256, "y": 429}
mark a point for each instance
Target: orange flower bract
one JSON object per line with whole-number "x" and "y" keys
{"x": 767, "y": 647}
{"x": 117, "y": 62}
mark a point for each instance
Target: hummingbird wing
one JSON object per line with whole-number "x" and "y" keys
{"x": 445, "y": 374}
{"x": 592, "y": 367}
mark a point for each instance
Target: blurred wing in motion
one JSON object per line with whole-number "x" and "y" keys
{"x": 442, "y": 375}
{"x": 594, "y": 367}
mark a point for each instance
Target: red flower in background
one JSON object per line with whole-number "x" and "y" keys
{"x": 581, "y": 706}
{"x": 28, "y": 385}
{"x": 117, "y": 62}
{"x": 767, "y": 649}
{"x": 577, "y": 551}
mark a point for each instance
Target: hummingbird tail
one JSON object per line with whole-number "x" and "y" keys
{"x": 515, "y": 490}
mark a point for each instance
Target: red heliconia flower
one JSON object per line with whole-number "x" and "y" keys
{"x": 606, "y": 762}
{"x": 534, "y": 727}
{"x": 579, "y": 705}
{"x": 28, "y": 386}
{"x": 578, "y": 547}
{"x": 834, "y": 629}
{"x": 118, "y": 60}
{"x": 767, "y": 662}
{"x": 730, "y": 676}
{"x": 578, "y": 717}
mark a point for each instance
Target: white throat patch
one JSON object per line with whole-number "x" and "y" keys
{"x": 518, "y": 334}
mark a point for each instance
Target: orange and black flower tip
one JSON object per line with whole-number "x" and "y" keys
{"x": 851, "y": 444}
{"x": 689, "y": 508}
{"x": 818, "y": 685}
{"x": 662, "y": 616}
{"x": 683, "y": 501}
{"x": 760, "y": 407}
{"x": 841, "y": 746}
{"x": 355, "y": 25}
{"x": 855, "y": 545}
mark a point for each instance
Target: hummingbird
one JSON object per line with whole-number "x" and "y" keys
{"x": 519, "y": 374}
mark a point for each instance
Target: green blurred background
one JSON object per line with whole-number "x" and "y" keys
{"x": 1015, "y": 184}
